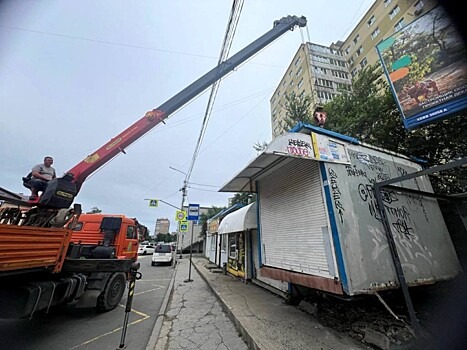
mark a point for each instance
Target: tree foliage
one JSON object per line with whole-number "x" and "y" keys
{"x": 260, "y": 146}
{"x": 94, "y": 210}
{"x": 369, "y": 113}
{"x": 244, "y": 198}
{"x": 297, "y": 108}
{"x": 204, "y": 217}
{"x": 165, "y": 237}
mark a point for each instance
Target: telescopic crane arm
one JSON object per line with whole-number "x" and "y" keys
{"x": 61, "y": 194}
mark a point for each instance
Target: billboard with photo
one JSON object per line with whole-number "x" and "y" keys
{"x": 426, "y": 66}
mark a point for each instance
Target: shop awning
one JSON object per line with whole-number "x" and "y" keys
{"x": 285, "y": 148}
{"x": 240, "y": 220}
{"x": 279, "y": 152}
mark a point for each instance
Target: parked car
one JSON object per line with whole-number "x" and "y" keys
{"x": 146, "y": 249}
{"x": 163, "y": 254}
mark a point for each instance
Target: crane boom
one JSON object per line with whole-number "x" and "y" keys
{"x": 61, "y": 192}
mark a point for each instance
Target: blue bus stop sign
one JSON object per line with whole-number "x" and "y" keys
{"x": 193, "y": 212}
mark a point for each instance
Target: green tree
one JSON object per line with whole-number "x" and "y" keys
{"x": 244, "y": 198}
{"x": 369, "y": 113}
{"x": 204, "y": 217}
{"x": 260, "y": 146}
{"x": 297, "y": 109}
{"x": 94, "y": 210}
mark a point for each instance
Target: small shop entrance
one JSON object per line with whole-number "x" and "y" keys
{"x": 236, "y": 259}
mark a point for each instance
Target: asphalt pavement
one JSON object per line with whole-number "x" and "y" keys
{"x": 218, "y": 311}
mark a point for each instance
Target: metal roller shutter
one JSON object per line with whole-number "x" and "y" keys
{"x": 293, "y": 215}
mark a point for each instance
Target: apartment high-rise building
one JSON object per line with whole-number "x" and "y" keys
{"x": 162, "y": 226}
{"x": 321, "y": 72}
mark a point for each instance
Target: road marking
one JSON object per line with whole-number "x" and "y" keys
{"x": 144, "y": 317}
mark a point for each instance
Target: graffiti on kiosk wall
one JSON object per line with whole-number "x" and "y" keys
{"x": 299, "y": 148}
{"x": 365, "y": 170}
{"x": 336, "y": 194}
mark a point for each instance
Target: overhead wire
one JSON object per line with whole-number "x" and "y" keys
{"x": 228, "y": 39}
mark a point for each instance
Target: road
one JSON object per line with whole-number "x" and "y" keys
{"x": 69, "y": 328}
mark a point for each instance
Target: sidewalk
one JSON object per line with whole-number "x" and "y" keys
{"x": 194, "y": 318}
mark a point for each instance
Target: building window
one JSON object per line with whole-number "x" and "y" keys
{"x": 394, "y": 12}
{"x": 350, "y": 61}
{"x": 324, "y": 82}
{"x": 339, "y": 74}
{"x": 300, "y": 83}
{"x": 302, "y": 94}
{"x": 299, "y": 72}
{"x": 320, "y": 70}
{"x": 359, "y": 51}
{"x": 291, "y": 83}
{"x": 284, "y": 83}
{"x": 363, "y": 63}
{"x": 375, "y": 33}
{"x": 290, "y": 73}
{"x": 297, "y": 61}
{"x": 344, "y": 87}
{"x": 233, "y": 247}
{"x": 347, "y": 50}
{"x": 356, "y": 39}
{"x": 371, "y": 21}
{"x": 418, "y": 7}
{"x": 399, "y": 25}
{"x": 325, "y": 95}
{"x": 387, "y": 2}
{"x": 353, "y": 72}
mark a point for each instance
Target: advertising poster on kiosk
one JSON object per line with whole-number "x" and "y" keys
{"x": 426, "y": 68}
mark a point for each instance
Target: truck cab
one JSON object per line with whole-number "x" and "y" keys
{"x": 106, "y": 236}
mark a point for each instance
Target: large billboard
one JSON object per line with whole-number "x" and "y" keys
{"x": 425, "y": 63}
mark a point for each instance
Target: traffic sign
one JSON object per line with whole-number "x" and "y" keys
{"x": 153, "y": 203}
{"x": 180, "y": 215}
{"x": 183, "y": 226}
{"x": 193, "y": 212}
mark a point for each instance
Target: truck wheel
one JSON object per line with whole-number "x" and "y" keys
{"x": 113, "y": 292}
{"x": 153, "y": 263}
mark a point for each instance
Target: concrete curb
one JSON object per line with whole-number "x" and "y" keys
{"x": 238, "y": 325}
{"x": 160, "y": 317}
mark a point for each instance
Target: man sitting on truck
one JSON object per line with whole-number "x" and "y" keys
{"x": 41, "y": 174}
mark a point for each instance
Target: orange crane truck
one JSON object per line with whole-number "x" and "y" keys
{"x": 50, "y": 254}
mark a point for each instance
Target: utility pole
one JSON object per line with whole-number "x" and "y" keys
{"x": 183, "y": 189}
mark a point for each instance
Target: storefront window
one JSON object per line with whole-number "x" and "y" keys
{"x": 213, "y": 242}
{"x": 232, "y": 247}
{"x": 224, "y": 243}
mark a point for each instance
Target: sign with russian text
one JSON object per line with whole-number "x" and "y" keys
{"x": 425, "y": 65}
{"x": 193, "y": 212}
{"x": 329, "y": 150}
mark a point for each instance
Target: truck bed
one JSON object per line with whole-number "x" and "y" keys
{"x": 24, "y": 248}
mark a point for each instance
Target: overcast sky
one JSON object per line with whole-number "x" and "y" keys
{"x": 74, "y": 74}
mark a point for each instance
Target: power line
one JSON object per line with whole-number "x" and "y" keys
{"x": 131, "y": 46}
{"x": 228, "y": 38}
